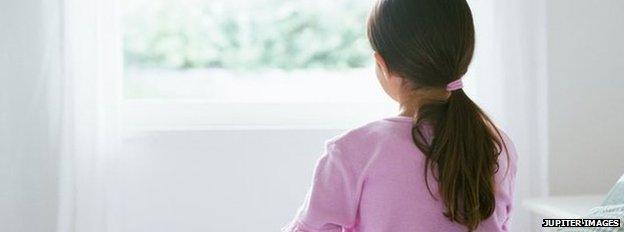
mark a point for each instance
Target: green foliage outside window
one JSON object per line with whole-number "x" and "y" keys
{"x": 248, "y": 35}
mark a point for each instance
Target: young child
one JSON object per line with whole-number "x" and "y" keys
{"x": 441, "y": 165}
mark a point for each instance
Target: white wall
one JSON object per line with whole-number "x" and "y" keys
{"x": 586, "y": 95}
{"x": 237, "y": 180}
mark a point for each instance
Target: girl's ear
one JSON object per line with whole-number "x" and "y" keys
{"x": 382, "y": 65}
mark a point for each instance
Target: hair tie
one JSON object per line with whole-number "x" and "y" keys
{"x": 455, "y": 85}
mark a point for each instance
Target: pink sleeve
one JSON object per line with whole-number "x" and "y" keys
{"x": 332, "y": 202}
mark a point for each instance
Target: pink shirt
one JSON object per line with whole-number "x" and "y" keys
{"x": 371, "y": 179}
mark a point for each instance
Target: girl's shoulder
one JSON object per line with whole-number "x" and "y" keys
{"x": 357, "y": 146}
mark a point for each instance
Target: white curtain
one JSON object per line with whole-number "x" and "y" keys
{"x": 91, "y": 98}
{"x": 60, "y": 90}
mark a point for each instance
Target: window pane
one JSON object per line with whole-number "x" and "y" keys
{"x": 248, "y": 50}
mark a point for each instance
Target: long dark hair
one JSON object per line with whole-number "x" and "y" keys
{"x": 430, "y": 43}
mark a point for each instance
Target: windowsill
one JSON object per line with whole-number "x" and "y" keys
{"x": 168, "y": 115}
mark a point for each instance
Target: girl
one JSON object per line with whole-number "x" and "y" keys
{"x": 441, "y": 165}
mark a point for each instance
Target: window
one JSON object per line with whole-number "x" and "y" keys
{"x": 259, "y": 58}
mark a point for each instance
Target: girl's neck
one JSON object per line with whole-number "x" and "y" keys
{"x": 408, "y": 111}
{"x": 414, "y": 99}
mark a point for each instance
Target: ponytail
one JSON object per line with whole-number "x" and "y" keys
{"x": 462, "y": 155}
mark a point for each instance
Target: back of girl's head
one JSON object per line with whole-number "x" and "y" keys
{"x": 430, "y": 43}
